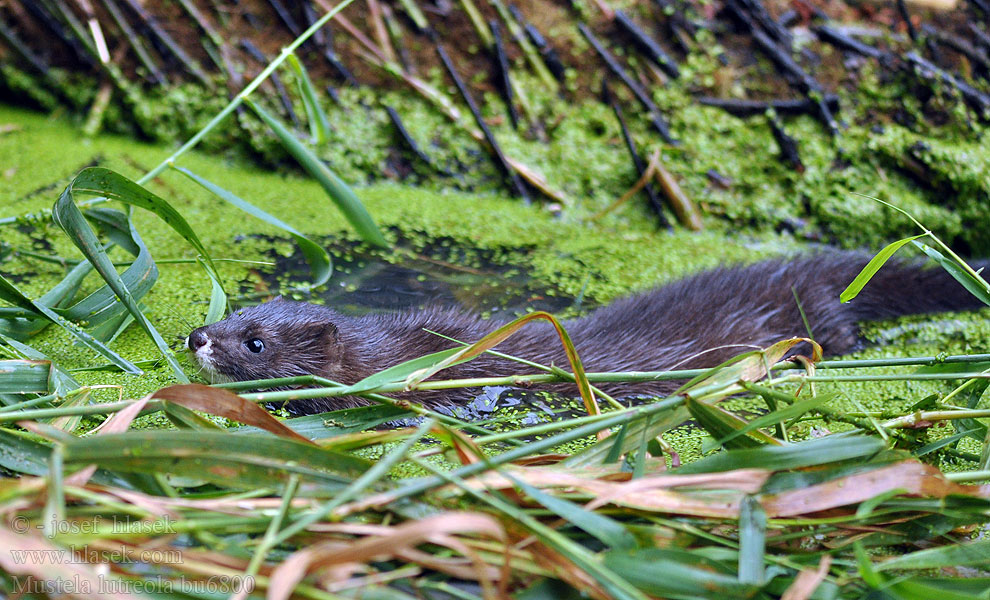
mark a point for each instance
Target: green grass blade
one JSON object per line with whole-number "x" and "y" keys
{"x": 319, "y": 126}
{"x": 24, "y": 376}
{"x": 711, "y": 385}
{"x": 414, "y": 487}
{"x": 784, "y": 414}
{"x": 865, "y": 566}
{"x": 949, "y": 441}
{"x": 236, "y": 461}
{"x": 20, "y": 452}
{"x": 101, "y": 310}
{"x": 968, "y": 554}
{"x": 872, "y": 267}
{"x": 104, "y": 182}
{"x": 616, "y": 451}
{"x": 99, "y": 181}
{"x": 645, "y": 442}
{"x": 916, "y": 590}
{"x": 99, "y": 307}
{"x": 317, "y": 257}
{"x": 248, "y": 89}
{"x": 677, "y": 574}
{"x": 54, "y": 511}
{"x": 348, "y": 420}
{"x": 401, "y": 371}
{"x": 722, "y": 424}
{"x": 599, "y": 453}
{"x": 65, "y": 290}
{"x": 792, "y": 456}
{"x": 68, "y": 217}
{"x": 496, "y": 337}
{"x": 11, "y": 294}
{"x": 379, "y": 470}
{"x": 116, "y": 225}
{"x": 183, "y": 418}
{"x": 218, "y": 298}
{"x": 414, "y": 13}
{"x": 608, "y": 531}
{"x": 752, "y": 541}
{"x": 339, "y": 192}
{"x": 972, "y": 284}
{"x": 60, "y": 382}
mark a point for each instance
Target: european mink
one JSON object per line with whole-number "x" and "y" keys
{"x": 697, "y": 322}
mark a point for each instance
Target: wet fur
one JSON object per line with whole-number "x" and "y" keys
{"x": 699, "y": 321}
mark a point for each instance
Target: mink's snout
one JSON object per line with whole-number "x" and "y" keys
{"x": 197, "y": 339}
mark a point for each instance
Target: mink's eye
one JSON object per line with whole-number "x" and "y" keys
{"x": 255, "y": 345}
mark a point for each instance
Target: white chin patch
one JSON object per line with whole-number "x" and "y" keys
{"x": 204, "y": 356}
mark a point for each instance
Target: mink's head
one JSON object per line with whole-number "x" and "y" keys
{"x": 275, "y": 339}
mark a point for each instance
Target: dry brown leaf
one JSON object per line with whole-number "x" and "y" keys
{"x": 343, "y": 558}
{"x": 220, "y": 402}
{"x": 472, "y": 567}
{"x": 721, "y": 497}
{"x": 567, "y": 571}
{"x": 752, "y": 367}
{"x": 743, "y": 481}
{"x": 536, "y": 180}
{"x": 541, "y": 460}
{"x": 121, "y": 421}
{"x": 648, "y": 173}
{"x": 228, "y": 506}
{"x": 915, "y": 478}
{"x": 808, "y": 581}
{"x": 151, "y": 504}
{"x": 468, "y": 452}
{"x": 943, "y": 5}
{"x": 685, "y": 209}
{"x": 746, "y": 480}
{"x": 725, "y": 490}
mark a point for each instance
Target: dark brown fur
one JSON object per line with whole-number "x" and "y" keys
{"x": 696, "y": 322}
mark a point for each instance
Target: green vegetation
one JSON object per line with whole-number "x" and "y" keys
{"x": 836, "y": 482}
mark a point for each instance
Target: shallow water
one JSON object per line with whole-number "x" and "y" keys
{"x": 365, "y": 282}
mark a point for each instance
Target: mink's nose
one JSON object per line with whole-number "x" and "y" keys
{"x": 197, "y": 339}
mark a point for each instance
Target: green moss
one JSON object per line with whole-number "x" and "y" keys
{"x": 18, "y": 82}
{"x": 575, "y": 144}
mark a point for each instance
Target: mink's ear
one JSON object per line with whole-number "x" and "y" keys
{"x": 277, "y": 299}
{"x": 324, "y": 331}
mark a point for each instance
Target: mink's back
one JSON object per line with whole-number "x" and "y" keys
{"x": 696, "y": 322}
